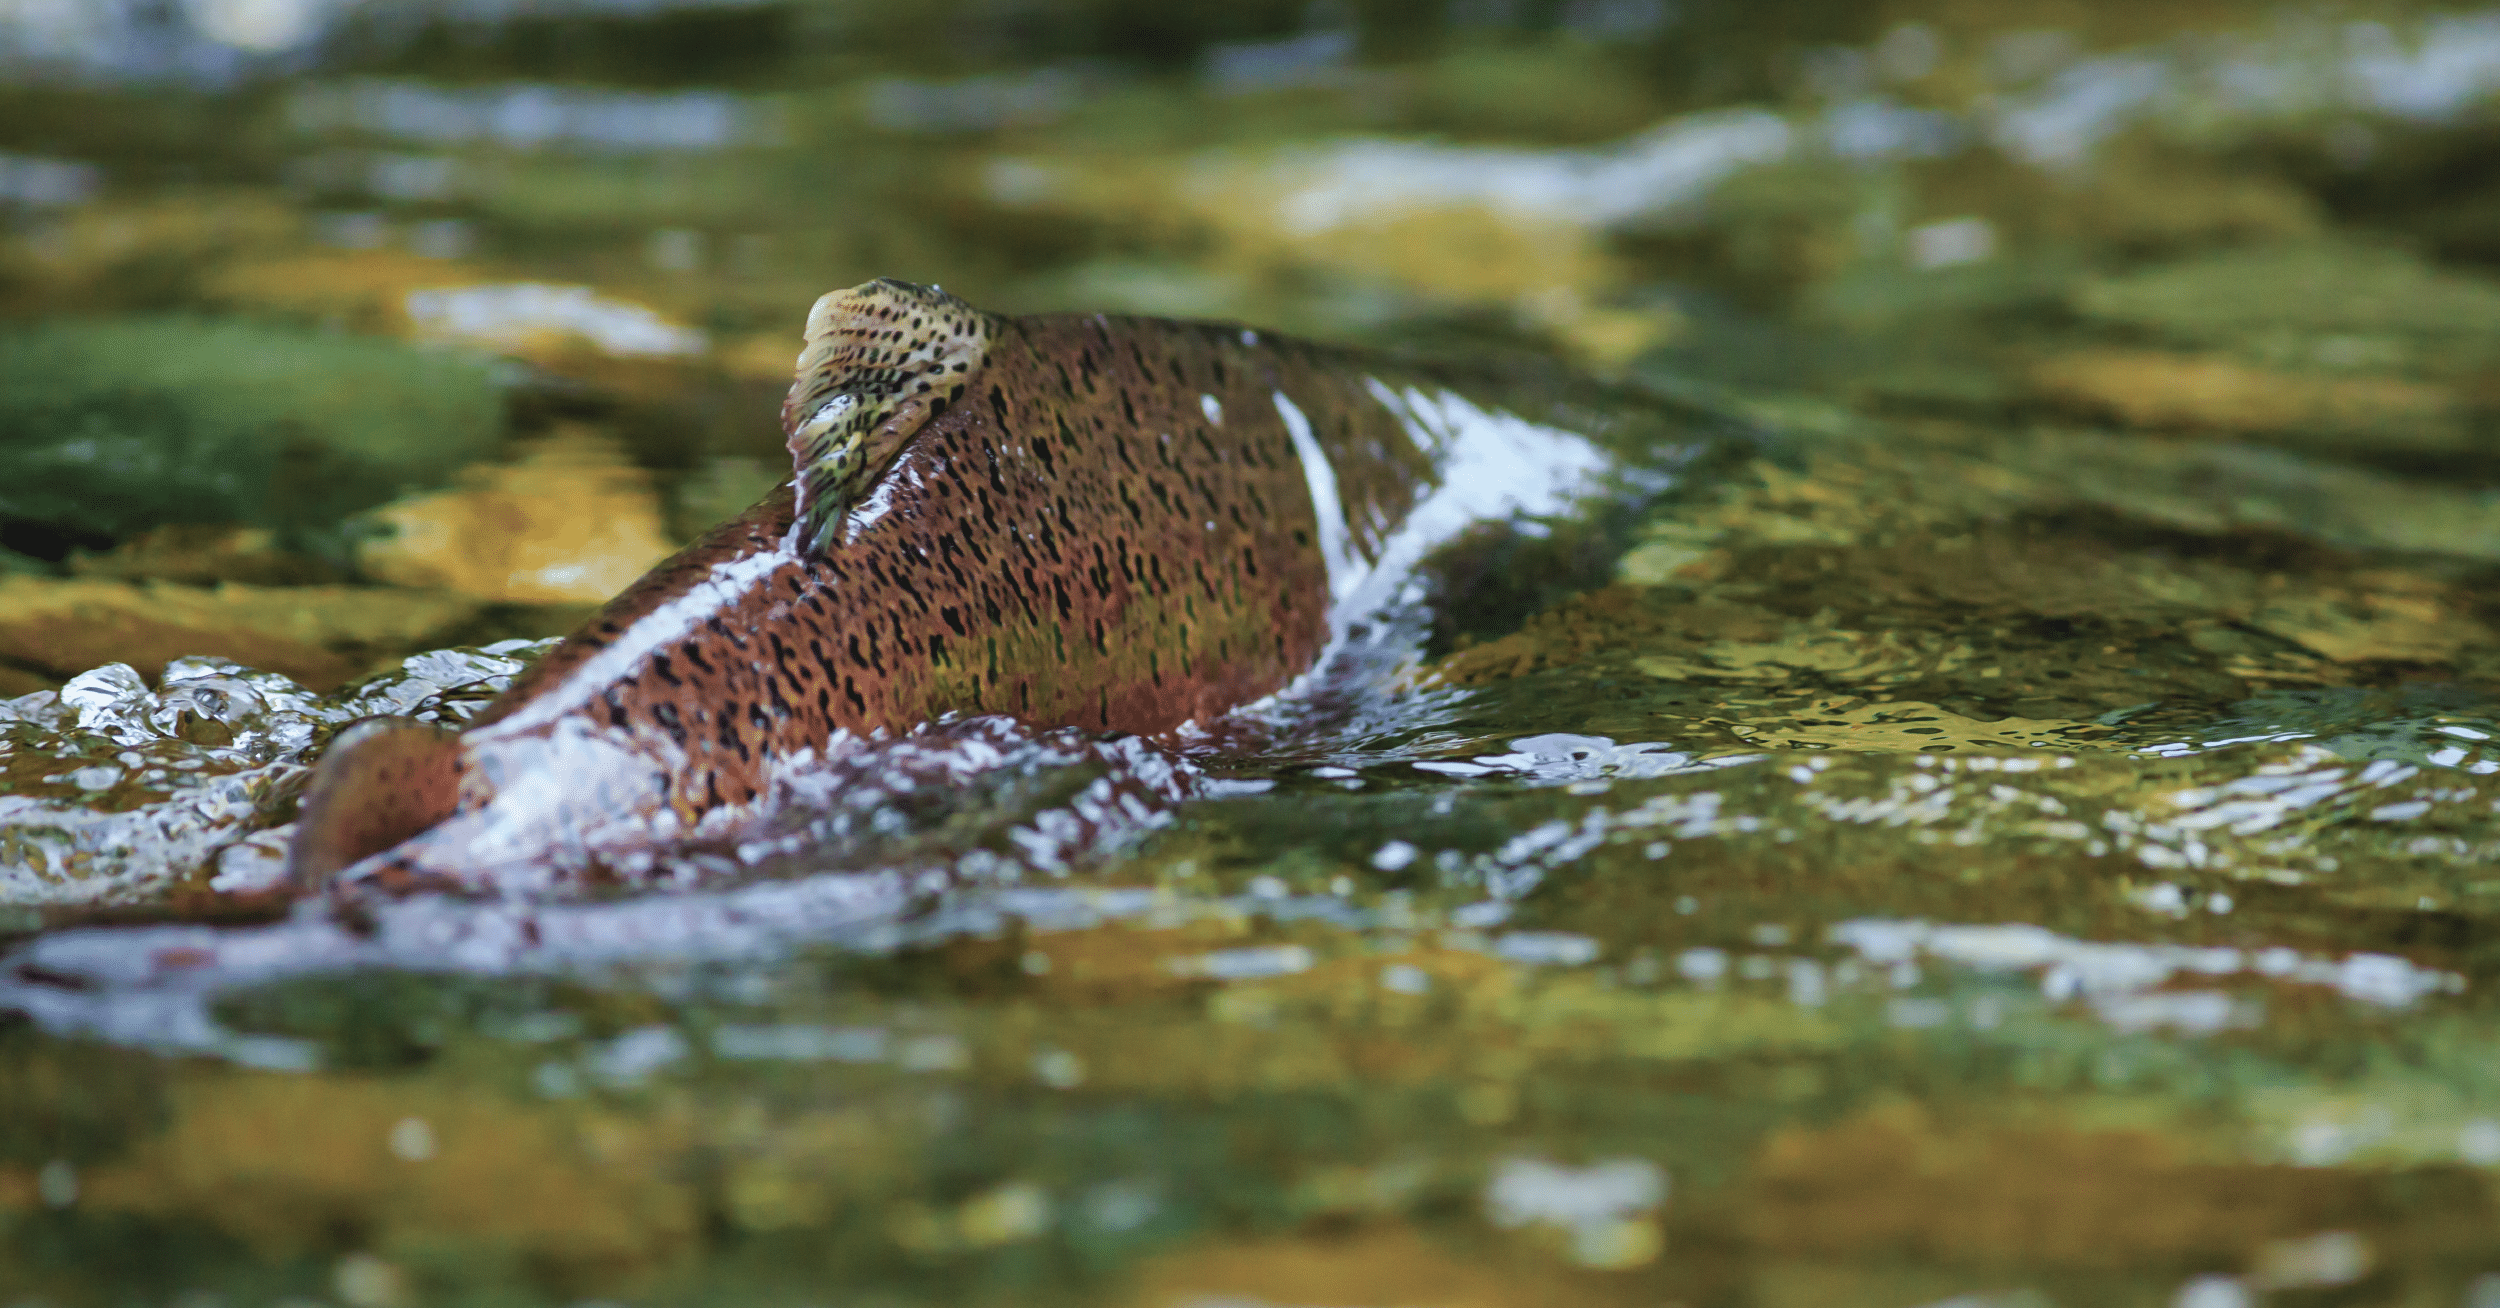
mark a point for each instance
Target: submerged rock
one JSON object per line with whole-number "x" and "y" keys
{"x": 571, "y": 522}
{"x": 111, "y": 427}
{"x": 2158, "y": 390}
{"x": 322, "y": 636}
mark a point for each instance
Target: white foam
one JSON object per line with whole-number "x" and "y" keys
{"x": 2454, "y": 64}
{"x": 1670, "y": 167}
{"x": 2113, "y": 975}
{"x": 1528, "y": 1190}
{"x": 1248, "y": 964}
{"x": 1344, "y": 570}
{"x": 511, "y": 315}
{"x": 2082, "y": 106}
{"x": 1493, "y": 465}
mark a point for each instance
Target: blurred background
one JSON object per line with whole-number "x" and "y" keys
{"x": 334, "y": 329}
{"x": 2134, "y": 374}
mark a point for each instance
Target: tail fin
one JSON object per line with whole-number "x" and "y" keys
{"x": 382, "y": 781}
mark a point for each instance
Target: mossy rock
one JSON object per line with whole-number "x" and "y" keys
{"x": 111, "y": 427}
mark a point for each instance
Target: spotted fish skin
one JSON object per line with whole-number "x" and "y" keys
{"x": 881, "y": 360}
{"x": 1114, "y": 524}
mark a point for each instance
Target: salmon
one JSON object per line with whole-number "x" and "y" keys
{"x": 1117, "y": 524}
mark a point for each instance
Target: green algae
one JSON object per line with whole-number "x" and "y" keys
{"x": 2277, "y": 300}
{"x": 112, "y": 427}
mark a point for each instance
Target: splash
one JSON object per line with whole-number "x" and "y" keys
{"x": 118, "y": 793}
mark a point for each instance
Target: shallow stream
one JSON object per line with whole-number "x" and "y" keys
{"x": 2006, "y": 816}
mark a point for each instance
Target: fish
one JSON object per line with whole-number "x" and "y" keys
{"x": 1124, "y": 525}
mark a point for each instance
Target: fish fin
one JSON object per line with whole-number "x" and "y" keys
{"x": 882, "y": 359}
{"x": 382, "y": 781}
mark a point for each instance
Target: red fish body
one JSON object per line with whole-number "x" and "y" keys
{"x": 1113, "y": 524}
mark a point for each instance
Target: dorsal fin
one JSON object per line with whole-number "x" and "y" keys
{"x": 882, "y": 359}
{"x": 381, "y": 781}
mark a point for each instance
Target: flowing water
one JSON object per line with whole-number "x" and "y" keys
{"x": 2000, "y": 811}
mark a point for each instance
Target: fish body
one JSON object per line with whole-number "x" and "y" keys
{"x": 1116, "y": 524}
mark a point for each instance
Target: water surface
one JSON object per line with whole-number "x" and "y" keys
{"x": 1999, "y": 813}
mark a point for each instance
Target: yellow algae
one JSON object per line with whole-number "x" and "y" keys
{"x": 1909, "y": 726}
{"x": 763, "y": 1196}
{"x": 364, "y": 290}
{"x": 760, "y": 356}
{"x": 279, "y": 1160}
{"x": 1606, "y": 340}
{"x": 2154, "y": 389}
{"x": 1464, "y": 254}
{"x": 1835, "y": 500}
{"x": 1018, "y": 1210}
{"x": 1900, "y": 600}
{"x": 1003, "y": 1214}
{"x": 171, "y": 236}
{"x": 1598, "y": 622}
{"x": 2382, "y": 613}
{"x": 1618, "y": 1245}
{"x": 1239, "y": 209}
{"x": 318, "y": 635}
{"x": 572, "y": 522}
{"x": 21, "y": 1189}
{"x": 1855, "y": 657}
